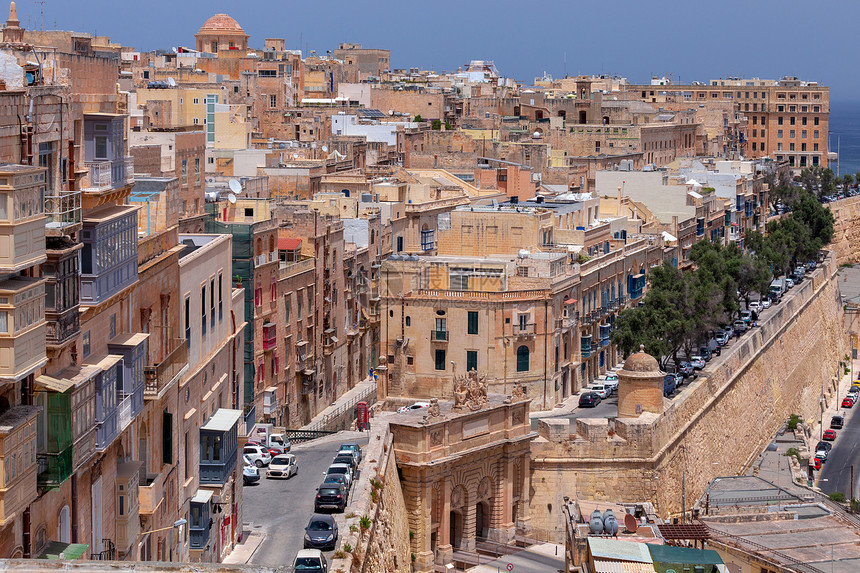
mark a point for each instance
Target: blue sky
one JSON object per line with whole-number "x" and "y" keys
{"x": 696, "y": 40}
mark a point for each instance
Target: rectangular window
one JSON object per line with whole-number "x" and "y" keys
{"x": 101, "y": 147}
{"x": 203, "y": 307}
{"x": 220, "y": 296}
{"x": 212, "y": 303}
{"x": 86, "y": 344}
{"x": 815, "y": 121}
{"x": 311, "y": 301}
{"x": 184, "y": 171}
{"x": 471, "y": 360}
{"x": 287, "y": 308}
{"x": 197, "y": 168}
{"x": 258, "y": 296}
{"x": 274, "y": 290}
{"x": 299, "y": 304}
{"x": 779, "y": 133}
{"x": 473, "y": 322}
{"x": 273, "y": 100}
{"x": 166, "y": 437}
{"x": 188, "y": 322}
{"x": 112, "y": 326}
{"x": 4, "y": 321}
{"x": 440, "y": 359}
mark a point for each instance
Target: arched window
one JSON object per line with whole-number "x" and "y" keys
{"x": 271, "y": 243}
{"x": 523, "y": 358}
{"x": 259, "y": 246}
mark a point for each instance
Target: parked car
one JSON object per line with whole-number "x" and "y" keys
{"x": 321, "y": 532}
{"x": 822, "y": 449}
{"x": 829, "y": 435}
{"x": 351, "y": 446}
{"x": 250, "y": 473}
{"x": 669, "y": 384}
{"x": 837, "y": 422}
{"x": 774, "y": 298}
{"x": 740, "y": 327}
{"x": 589, "y": 400}
{"x": 272, "y": 451}
{"x": 698, "y": 362}
{"x": 817, "y": 462}
{"x": 686, "y": 369}
{"x": 810, "y": 266}
{"x": 722, "y": 338}
{"x": 347, "y": 459}
{"x": 283, "y": 466}
{"x": 310, "y": 561}
{"x": 854, "y": 389}
{"x": 259, "y": 455}
{"x": 705, "y": 353}
{"x": 765, "y": 303}
{"x": 413, "y": 407}
{"x": 600, "y": 389}
{"x": 848, "y": 401}
{"x": 754, "y": 305}
{"x": 331, "y": 496}
{"x": 341, "y": 469}
{"x": 730, "y": 330}
{"x": 746, "y": 316}
{"x": 337, "y": 478}
{"x": 789, "y": 283}
{"x": 349, "y": 452}
{"x": 612, "y": 381}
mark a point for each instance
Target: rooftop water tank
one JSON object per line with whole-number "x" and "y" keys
{"x": 595, "y": 523}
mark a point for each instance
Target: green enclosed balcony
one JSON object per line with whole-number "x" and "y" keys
{"x": 54, "y": 444}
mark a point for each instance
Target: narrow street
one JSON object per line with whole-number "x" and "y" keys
{"x": 280, "y": 509}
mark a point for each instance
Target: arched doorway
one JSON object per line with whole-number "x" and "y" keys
{"x": 64, "y": 526}
{"x": 482, "y": 519}
{"x": 456, "y": 528}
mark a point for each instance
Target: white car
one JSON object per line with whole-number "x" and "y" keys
{"x": 765, "y": 303}
{"x": 250, "y": 473}
{"x": 283, "y": 466}
{"x": 311, "y": 561}
{"x": 259, "y": 455}
{"x": 601, "y": 390}
{"x": 698, "y": 362}
{"x": 789, "y": 283}
{"x": 612, "y": 381}
{"x": 413, "y": 407}
{"x": 754, "y": 306}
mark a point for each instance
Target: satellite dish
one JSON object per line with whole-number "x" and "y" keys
{"x": 231, "y": 198}
{"x": 295, "y": 155}
{"x": 314, "y": 145}
{"x": 630, "y": 523}
{"x": 282, "y": 146}
{"x": 171, "y": 81}
{"x": 174, "y": 50}
{"x": 235, "y": 186}
{"x": 325, "y": 148}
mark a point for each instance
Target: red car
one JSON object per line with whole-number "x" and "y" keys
{"x": 847, "y": 402}
{"x": 817, "y": 463}
{"x": 829, "y": 435}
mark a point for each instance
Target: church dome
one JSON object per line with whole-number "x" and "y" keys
{"x": 221, "y": 23}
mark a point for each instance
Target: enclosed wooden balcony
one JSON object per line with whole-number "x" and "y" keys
{"x": 18, "y": 466}
{"x": 22, "y": 326}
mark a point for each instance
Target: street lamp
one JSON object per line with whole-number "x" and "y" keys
{"x": 176, "y": 525}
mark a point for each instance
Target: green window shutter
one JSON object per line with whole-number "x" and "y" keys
{"x": 471, "y": 360}
{"x": 167, "y": 438}
{"x": 473, "y": 322}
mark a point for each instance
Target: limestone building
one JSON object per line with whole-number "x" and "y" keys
{"x": 219, "y": 33}
{"x": 464, "y": 471}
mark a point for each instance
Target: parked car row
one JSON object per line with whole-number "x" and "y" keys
{"x": 333, "y": 492}
{"x": 837, "y": 422}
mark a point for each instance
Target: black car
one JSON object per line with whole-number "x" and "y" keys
{"x": 321, "y": 532}
{"x": 589, "y": 400}
{"x": 347, "y": 459}
{"x": 331, "y": 496}
{"x": 836, "y": 422}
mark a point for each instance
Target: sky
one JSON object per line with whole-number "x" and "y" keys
{"x": 698, "y": 40}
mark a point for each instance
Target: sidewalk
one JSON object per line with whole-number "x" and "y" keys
{"x": 243, "y": 552}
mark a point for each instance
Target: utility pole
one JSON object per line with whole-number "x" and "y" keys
{"x": 851, "y": 491}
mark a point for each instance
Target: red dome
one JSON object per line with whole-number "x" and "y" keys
{"x": 221, "y": 23}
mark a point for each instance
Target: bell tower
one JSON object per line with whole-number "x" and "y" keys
{"x": 13, "y": 33}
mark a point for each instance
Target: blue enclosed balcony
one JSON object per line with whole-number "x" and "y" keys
{"x": 107, "y": 405}
{"x": 585, "y": 344}
{"x": 108, "y": 169}
{"x": 131, "y": 385}
{"x": 218, "y": 446}
{"x": 109, "y": 256}
{"x": 199, "y": 524}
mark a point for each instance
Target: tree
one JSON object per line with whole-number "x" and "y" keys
{"x": 819, "y": 181}
{"x": 418, "y": 118}
{"x": 847, "y": 182}
{"x": 781, "y": 192}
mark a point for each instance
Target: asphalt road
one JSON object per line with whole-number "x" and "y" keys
{"x": 281, "y": 508}
{"x": 835, "y": 475}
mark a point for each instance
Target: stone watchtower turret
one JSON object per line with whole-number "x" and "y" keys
{"x": 640, "y": 386}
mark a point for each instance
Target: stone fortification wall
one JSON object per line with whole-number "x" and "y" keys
{"x": 846, "y": 231}
{"x": 384, "y": 545}
{"x": 717, "y": 425}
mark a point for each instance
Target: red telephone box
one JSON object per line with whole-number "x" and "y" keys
{"x": 361, "y": 416}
